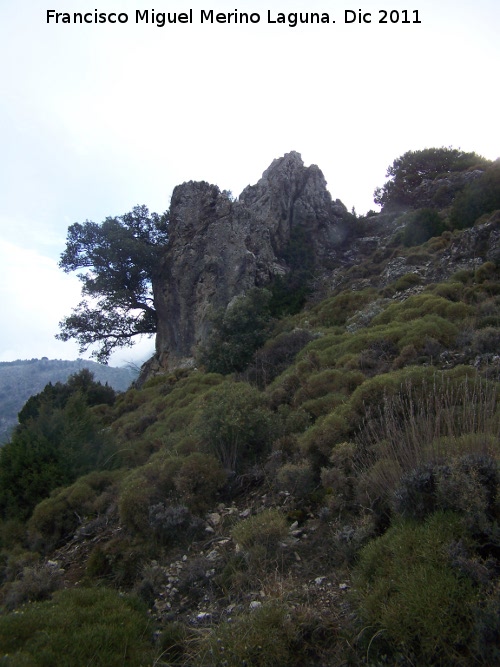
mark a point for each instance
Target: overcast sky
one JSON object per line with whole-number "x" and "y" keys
{"x": 97, "y": 118}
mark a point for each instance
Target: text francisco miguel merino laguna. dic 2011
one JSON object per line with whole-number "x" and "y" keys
{"x": 211, "y": 16}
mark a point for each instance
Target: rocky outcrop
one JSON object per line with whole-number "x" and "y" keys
{"x": 440, "y": 192}
{"x": 384, "y": 263}
{"x": 219, "y": 248}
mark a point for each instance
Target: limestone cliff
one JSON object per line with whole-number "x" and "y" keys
{"x": 219, "y": 248}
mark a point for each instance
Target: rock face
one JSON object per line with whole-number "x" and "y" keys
{"x": 441, "y": 192}
{"x": 219, "y": 248}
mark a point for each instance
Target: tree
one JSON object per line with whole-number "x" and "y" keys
{"x": 121, "y": 256}
{"x": 408, "y": 171}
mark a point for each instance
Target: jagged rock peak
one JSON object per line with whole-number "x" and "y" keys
{"x": 288, "y": 174}
{"x": 219, "y": 248}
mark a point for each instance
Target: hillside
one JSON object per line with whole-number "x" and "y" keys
{"x": 24, "y": 378}
{"x": 306, "y": 481}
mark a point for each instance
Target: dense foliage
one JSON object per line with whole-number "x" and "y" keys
{"x": 238, "y": 331}
{"x": 58, "y": 439}
{"x": 24, "y": 378}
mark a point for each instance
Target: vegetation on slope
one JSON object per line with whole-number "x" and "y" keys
{"x": 333, "y": 500}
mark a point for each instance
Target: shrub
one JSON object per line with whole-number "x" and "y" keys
{"x": 415, "y": 603}
{"x": 424, "y": 305}
{"x": 453, "y": 291}
{"x": 351, "y": 538}
{"x": 328, "y": 382}
{"x": 236, "y": 426}
{"x": 480, "y": 196}
{"x": 260, "y": 536}
{"x": 56, "y": 518}
{"x": 118, "y": 561}
{"x": 468, "y": 485}
{"x": 486, "y": 340}
{"x": 36, "y": 582}
{"x": 262, "y": 638}
{"x": 146, "y": 486}
{"x": 422, "y": 421}
{"x": 422, "y": 225}
{"x": 317, "y": 441}
{"x": 296, "y": 478}
{"x": 338, "y": 478}
{"x": 172, "y": 522}
{"x": 407, "y": 281}
{"x": 336, "y": 310}
{"x": 78, "y": 627}
{"x": 199, "y": 479}
{"x": 237, "y": 333}
{"x": 276, "y": 355}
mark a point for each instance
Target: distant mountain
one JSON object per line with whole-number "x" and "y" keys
{"x": 23, "y": 378}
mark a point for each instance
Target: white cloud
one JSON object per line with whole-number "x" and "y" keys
{"x": 34, "y": 296}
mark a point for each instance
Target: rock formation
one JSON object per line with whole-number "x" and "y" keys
{"x": 219, "y": 248}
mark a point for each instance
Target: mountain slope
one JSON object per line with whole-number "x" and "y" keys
{"x": 332, "y": 501}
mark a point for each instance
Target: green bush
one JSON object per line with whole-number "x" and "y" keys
{"x": 78, "y": 627}
{"x": 296, "y": 478}
{"x": 57, "y": 517}
{"x": 118, "y": 561}
{"x": 407, "y": 281}
{"x": 317, "y": 442}
{"x": 147, "y": 486}
{"x": 422, "y": 305}
{"x": 260, "y": 537}
{"x": 237, "y": 333}
{"x": 414, "y": 602}
{"x": 421, "y": 225}
{"x": 277, "y": 355}
{"x": 236, "y": 426}
{"x": 268, "y": 636}
{"x": 468, "y": 485}
{"x": 336, "y": 310}
{"x": 36, "y": 582}
{"x": 338, "y": 478}
{"x": 199, "y": 479}
{"x": 479, "y": 197}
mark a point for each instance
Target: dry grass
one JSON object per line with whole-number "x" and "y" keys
{"x": 430, "y": 423}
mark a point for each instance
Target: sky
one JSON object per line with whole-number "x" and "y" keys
{"x": 99, "y": 117}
